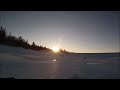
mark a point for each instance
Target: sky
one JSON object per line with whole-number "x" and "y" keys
{"x": 74, "y": 31}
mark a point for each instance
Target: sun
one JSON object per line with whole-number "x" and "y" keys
{"x": 55, "y": 49}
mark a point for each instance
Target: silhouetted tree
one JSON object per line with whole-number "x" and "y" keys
{"x": 2, "y": 34}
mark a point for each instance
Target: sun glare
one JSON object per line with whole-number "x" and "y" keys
{"x": 55, "y": 49}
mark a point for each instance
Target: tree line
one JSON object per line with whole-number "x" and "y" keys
{"x": 8, "y": 39}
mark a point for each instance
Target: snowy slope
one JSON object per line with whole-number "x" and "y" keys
{"x": 28, "y": 64}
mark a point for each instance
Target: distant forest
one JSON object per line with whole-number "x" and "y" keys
{"x": 8, "y": 39}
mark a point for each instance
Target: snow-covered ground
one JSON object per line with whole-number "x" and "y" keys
{"x": 28, "y": 64}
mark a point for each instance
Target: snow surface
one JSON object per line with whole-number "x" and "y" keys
{"x": 28, "y": 64}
